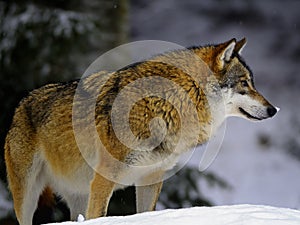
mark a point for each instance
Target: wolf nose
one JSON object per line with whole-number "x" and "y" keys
{"x": 271, "y": 111}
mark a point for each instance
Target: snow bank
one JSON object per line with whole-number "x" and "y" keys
{"x": 235, "y": 214}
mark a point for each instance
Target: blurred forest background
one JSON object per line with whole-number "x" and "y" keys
{"x": 55, "y": 41}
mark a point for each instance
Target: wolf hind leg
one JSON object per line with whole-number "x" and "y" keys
{"x": 30, "y": 203}
{"x": 23, "y": 206}
{"x": 24, "y": 178}
{"x": 36, "y": 182}
{"x": 77, "y": 204}
{"x": 26, "y": 191}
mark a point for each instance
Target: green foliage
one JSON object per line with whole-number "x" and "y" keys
{"x": 183, "y": 190}
{"x": 179, "y": 191}
{"x": 49, "y": 41}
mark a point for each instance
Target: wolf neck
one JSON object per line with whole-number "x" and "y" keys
{"x": 188, "y": 69}
{"x": 189, "y": 103}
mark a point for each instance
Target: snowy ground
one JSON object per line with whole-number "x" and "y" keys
{"x": 220, "y": 215}
{"x": 254, "y": 157}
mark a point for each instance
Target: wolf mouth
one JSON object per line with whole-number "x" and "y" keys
{"x": 249, "y": 115}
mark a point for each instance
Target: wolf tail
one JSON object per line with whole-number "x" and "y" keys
{"x": 47, "y": 199}
{"x": 50, "y": 208}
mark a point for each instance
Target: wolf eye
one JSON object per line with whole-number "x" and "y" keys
{"x": 244, "y": 83}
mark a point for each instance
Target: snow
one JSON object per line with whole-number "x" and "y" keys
{"x": 80, "y": 218}
{"x": 63, "y": 23}
{"x": 218, "y": 215}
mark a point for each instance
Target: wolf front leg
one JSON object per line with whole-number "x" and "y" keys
{"x": 101, "y": 191}
{"x": 147, "y": 196}
{"x": 148, "y": 191}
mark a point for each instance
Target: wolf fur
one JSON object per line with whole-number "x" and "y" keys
{"x": 41, "y": 151}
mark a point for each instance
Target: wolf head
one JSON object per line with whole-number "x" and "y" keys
{"x": 236, "y": 81}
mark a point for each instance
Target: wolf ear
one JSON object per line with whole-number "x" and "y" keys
{"x": 226, "y": 51}
{"x": 240, "y": 45}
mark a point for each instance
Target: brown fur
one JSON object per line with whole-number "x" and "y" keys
{"x": 41, "y": 149}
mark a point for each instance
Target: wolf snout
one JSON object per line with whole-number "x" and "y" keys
{"x": 271, "y": 110}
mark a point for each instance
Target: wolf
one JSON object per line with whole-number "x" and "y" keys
{"x": 201, "y": 85}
